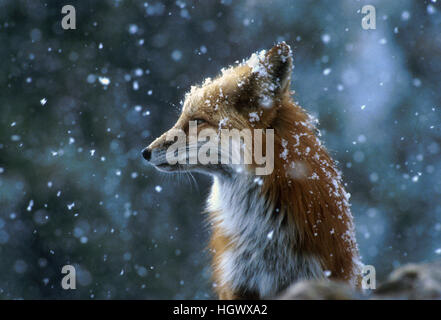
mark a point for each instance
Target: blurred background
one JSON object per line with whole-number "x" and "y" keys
{"x": 78, "y": 106}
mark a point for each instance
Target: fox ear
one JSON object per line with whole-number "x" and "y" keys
{"x": 280, "y": 66}
{"x": 271, "y": 73}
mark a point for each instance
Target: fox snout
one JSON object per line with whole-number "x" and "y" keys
{"x": 156, "y": 152}
{"x": 148, "y": 153}
{"x": 155, "y": 156}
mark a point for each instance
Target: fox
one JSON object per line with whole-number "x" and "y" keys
{"x": 271, "y": 230}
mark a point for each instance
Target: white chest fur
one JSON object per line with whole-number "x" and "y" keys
{"x": 263, "y": 257}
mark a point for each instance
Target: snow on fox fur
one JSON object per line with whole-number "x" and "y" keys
{"x": 268, "y": 231}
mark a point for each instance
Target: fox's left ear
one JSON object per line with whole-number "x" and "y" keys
{"x": 279, "y": 65}
{"x": 271, "y": 73}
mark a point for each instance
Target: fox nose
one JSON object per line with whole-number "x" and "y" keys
{"x": 147, "y": 154}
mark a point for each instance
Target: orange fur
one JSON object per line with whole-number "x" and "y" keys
{"x": 318, "y": 207}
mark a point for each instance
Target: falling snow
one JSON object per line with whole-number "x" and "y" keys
{"x": 77, "y": 111}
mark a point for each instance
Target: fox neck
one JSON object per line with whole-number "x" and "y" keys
{"x": 294, "y": 224}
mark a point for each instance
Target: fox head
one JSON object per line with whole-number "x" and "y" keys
{"x": 245, "y": 98}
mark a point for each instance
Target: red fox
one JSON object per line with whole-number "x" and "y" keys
{"x": 271, "y": 230}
